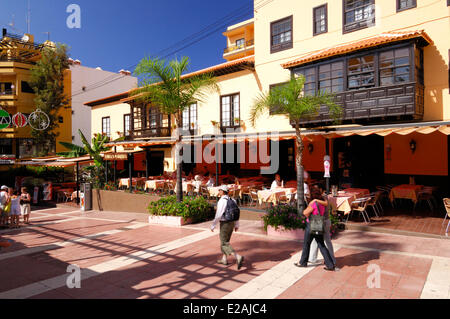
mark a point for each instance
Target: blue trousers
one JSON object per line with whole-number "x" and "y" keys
{"x": 307, "y": 247}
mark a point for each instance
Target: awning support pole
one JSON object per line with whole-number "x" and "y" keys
{"x": 130, "y": 173}
{"x": 106, "y": 172}
{"x": 327, "y": 152}
{"x": 146, "y": 164}
{"x": 115, "y": 166}
{"x": 78, "y": 183}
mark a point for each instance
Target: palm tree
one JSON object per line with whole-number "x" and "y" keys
{"x": 95, "y": 149}
{"x": 74, "y": 150}
{"x": 289, "y": 99}
{"x": 164, "y": 85}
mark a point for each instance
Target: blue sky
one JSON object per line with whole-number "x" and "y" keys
{"x": 116, "y": 34}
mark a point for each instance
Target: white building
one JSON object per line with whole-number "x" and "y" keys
{"x": 90, "y": 84}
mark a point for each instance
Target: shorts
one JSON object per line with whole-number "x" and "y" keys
{"x": 25, "y": 209}
{"x": 15, "y": 211}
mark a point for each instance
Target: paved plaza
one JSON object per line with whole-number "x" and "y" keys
{"x": 121, "y": 256}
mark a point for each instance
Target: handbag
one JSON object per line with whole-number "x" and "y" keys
{"x": 317, "y": 223}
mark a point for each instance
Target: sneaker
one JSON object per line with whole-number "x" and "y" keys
{"x": 222, "y": 262}
{"x": 315, "y": 263}
{"x": 240, "y": 260}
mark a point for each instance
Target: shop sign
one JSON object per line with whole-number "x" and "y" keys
{"x": 7, "y": 159}
{"x": 116, "y": 157}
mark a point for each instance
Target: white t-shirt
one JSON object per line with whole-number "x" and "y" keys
{"x": 275, "y": 185}
{"x": 3, "y": 197}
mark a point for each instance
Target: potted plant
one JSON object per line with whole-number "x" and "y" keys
{"x": 284, "y": 221}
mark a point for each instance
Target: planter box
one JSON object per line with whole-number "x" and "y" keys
{"x": 118, "y": 201}
{"x": 168, "y": 220}
{"x": 297, "y": 234}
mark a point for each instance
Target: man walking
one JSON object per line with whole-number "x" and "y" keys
{"x": 227, "y": 207}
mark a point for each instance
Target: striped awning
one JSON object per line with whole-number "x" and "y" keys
{"x": 444, "y": 129}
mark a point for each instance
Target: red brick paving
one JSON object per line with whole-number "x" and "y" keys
{"x": 191, "y": 271}
{"x": 401, "y": 277}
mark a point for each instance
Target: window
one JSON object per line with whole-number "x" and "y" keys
{"x": 394, "y": 66}
{"x": 320, "y": 20}
{"x": 240, "y": 43}
{"x": 26, "y": 88}
{"x": 154, "y": 117}
{"x": 419, "y": 65}
{"x": 229, "y": 110}
{"x": 274, "y": 109}
{"x": 126, "y": 124}
{"x": 361, "y": 72}
{"x": 331, "y": 77}
{"x": 310, "y": 80}
{"x": 6, "y": 88}
{"x": 406, "y": 4}
{"x": 281, "y": 35}
{"x": 106, "y": 126}
{"x": 190, "y": 118}
{"x": 358, "y": 14}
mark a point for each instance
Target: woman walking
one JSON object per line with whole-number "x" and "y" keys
{"x": 317, "y": 206}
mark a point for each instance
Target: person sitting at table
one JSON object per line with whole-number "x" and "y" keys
{"x": 197, "y": 183}
{"x": 277, "y": 183}
{"x": 211, "y": 182}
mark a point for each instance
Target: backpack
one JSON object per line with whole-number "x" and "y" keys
{"x": 232, "y": 211}
{"x": 316, "y": 223}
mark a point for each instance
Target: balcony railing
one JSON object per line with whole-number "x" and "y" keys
{"x": 7, "y": 92}
{"x": 239, "y": 47}
{"x": 152, "y": 132}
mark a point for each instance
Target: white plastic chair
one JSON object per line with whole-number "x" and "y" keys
{"x": 447, "y": 213}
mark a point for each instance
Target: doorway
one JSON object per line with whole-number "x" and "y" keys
{"x": 359, "y": 161}
{"x": 155, "y": 163}
{"x": 287, "y": 160}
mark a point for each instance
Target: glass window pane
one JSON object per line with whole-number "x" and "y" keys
{"x": 402, "y": 61}
{"x": 402, "y": 52}
{"x": 386, "y": 55}
{"x": 324, "y": 68}
{"x": 402, "y": 78}
{"x": 386, "y": 81}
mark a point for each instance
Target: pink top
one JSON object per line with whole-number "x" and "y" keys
{"x": 321, "y": 209}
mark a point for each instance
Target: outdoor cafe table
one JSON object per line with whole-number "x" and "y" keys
{"x": 135, "y": 180}
{"x": 155, "y": 184}
{"x": 187, "y": 187}
{"x": 343, "y": 202}
{"x": 405, "y": 191}
{"x": 273, "y": 196}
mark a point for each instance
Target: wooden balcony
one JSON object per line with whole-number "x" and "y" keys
{"x": 152, "y": 132}
{"x": 377, "y": 103}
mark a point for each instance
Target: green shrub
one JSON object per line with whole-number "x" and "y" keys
{"x": 196, "y": 208}
{"x": 284, "y": 215}
{"x": 288, "y": 217}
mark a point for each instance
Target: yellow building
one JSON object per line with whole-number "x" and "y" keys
{"x": 17, "y": 56}
{"x": 386, "y": 61}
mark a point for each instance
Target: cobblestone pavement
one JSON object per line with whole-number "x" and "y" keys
{"x": 121, "y": 256}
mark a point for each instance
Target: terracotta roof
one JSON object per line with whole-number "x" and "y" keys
{"x": 380, "y": 39}
{"x": 222, "y": 67}
{"x": 218, "y": 70}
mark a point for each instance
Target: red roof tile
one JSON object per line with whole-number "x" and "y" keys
{"x": 369, "y": 42}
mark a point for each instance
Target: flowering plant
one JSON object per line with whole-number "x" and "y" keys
{"x": 284, "y": 215}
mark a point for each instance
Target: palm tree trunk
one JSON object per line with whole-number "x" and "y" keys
{"x": 179, "y": 153}
{"x": 299, "y": 166}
